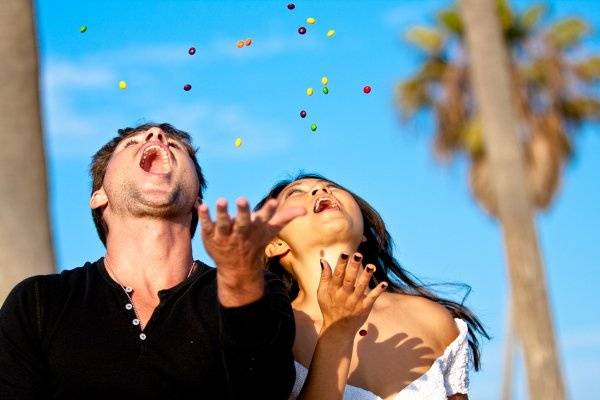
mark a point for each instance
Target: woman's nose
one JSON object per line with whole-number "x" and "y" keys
{"x": 318, "y": 188}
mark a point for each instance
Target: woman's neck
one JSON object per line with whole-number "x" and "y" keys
{"x": 307, "y": 270}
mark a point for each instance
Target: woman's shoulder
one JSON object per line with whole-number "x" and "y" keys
{"x": 425, "y": 317}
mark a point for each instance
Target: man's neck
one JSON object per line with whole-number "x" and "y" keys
{"x": 149, "y": 254}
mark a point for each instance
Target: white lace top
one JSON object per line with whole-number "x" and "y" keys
{"x": 447, "y": 375}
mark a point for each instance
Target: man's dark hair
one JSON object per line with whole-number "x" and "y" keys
{"x": 102, "y": 157}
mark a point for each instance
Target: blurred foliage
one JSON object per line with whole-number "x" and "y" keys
{"x": 555, "y": 86}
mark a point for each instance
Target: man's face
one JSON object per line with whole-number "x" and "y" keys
{"x": 150, "y": 174}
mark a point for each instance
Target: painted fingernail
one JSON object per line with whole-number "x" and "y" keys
{"x": 384, "y": 285}
{"x": 344, "y": 256}
{"x": 357, "y": 257}
{"x": 321, "y": 262}
{"x": 371, "y": 268}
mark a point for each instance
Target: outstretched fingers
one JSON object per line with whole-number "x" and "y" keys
{"x": 223, "y": 220}
{"x": 241, "y": 224}
{"x": 353, "y": 268}
{"x": 206, "y": 223}
{"x": 374, "y": 294}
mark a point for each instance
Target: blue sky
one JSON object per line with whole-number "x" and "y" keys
{"x": 257, "y": 92}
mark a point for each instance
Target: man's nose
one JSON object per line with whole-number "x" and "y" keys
{"x": 157, "y": 136}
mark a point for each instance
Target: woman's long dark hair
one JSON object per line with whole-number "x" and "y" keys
{"x": 378, "y": 250}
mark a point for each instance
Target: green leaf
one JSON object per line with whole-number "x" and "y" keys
{"x": 531, "y": 17}
{"x": 568, "y": 32}
{"x": 588, "y": 69}
{"x": 582, "y": 108}
{"x": 471, "y": 136}
{"x": 505, "y": 14}
{"x": 412, "y": 94}
{"x": 450, "y": 19}
{"x": 428, "y": 39}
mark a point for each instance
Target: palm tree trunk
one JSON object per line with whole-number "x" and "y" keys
{"x": 25, "y": 240}
{"x": 491, "y": 83}
{"x": 510, "y": 346}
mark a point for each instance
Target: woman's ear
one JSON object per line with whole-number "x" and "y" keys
{"x": 98, "y": 199}
{"x": 276, "y": 248}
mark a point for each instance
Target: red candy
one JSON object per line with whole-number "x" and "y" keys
{"x": 362, "y": 332}
{"x": 367, "y": 89}
{"x": 187, "y": 87}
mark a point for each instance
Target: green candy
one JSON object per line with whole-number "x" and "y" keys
{"x": 82, "y": 28}
{"x": 313, "y": 127}
{"x": 325, "y": 90}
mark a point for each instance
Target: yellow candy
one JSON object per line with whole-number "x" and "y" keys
{"x": 309, "y": 91}
{"x": 238, "y": 142}
{"x": 122, "y": 85}
{"x": 324, "y": 80}
{"x": 330, "y": 32}
{"x": 310, "y": 20}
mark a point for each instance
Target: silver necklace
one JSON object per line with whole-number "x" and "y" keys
{"x": 137, "y": 321}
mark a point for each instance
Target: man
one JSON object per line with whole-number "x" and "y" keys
{"x": 146, "y": 320}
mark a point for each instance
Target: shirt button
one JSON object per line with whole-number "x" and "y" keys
{"x": 128, "y": 289}
{"x": 128, "y": 306}
{"x": 142, "y": 336}
{"x": 135, "y": 321}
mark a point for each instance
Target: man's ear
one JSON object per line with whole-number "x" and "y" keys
{"x": 98, "y": 199}
{"x": 276, "y": 248}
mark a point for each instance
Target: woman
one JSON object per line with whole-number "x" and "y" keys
{"x": 412, "y": 344}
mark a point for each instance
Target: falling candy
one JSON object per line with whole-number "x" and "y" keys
{"x": 248, "y": 42}
{"x": 313, "y": 127}
{"x": 238, "y": 142}
{"x": 324, "y": 80}
{"x": 325, "y": 90}
{"x": 82, "y": 28}
{"x": 302, "y": 30}
{"x": 310, "y": 20}
{"x": 302, "y": 114}
{"x": 122, "y": 85}
{"x": 291, "y": 6}
{"x": 240, "y": 44}
{"x": 367, "y": 89}
{"x": 330, "y": 32}
{"x": 187, "y": 87}
{"x": 192, "y": 51}
{"x": 309, "y": 91}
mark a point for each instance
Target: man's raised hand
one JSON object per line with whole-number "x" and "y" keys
{"x": 236, "y": 245}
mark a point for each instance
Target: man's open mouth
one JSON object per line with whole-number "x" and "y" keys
{"x": 324, "y": 204}
{"x": 155, "y": 160}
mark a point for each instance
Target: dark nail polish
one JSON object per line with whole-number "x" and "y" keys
{"x": 384, "y": 285}
{"x": 370, "y": 268}
{"x": 357, "y": 257}
{"x": 344, "y": 256}
{"x": 321, "y": 262}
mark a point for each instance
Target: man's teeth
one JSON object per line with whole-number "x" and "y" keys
{"x": 154, "y": 151}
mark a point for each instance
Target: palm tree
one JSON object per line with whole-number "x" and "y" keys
{"x": 25, "y": 241}
{"x": 516, "y": 155}
{"x": 552, "y": 87}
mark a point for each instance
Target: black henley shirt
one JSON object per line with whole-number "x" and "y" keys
{"x": 73, "y": 335}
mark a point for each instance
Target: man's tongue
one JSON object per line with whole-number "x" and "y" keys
{"x": 155, "y": 164}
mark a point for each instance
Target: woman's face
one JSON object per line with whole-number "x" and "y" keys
{"x": 332, "y": 215}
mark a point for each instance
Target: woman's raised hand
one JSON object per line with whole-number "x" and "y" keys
{"x": 344, "y": 296}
